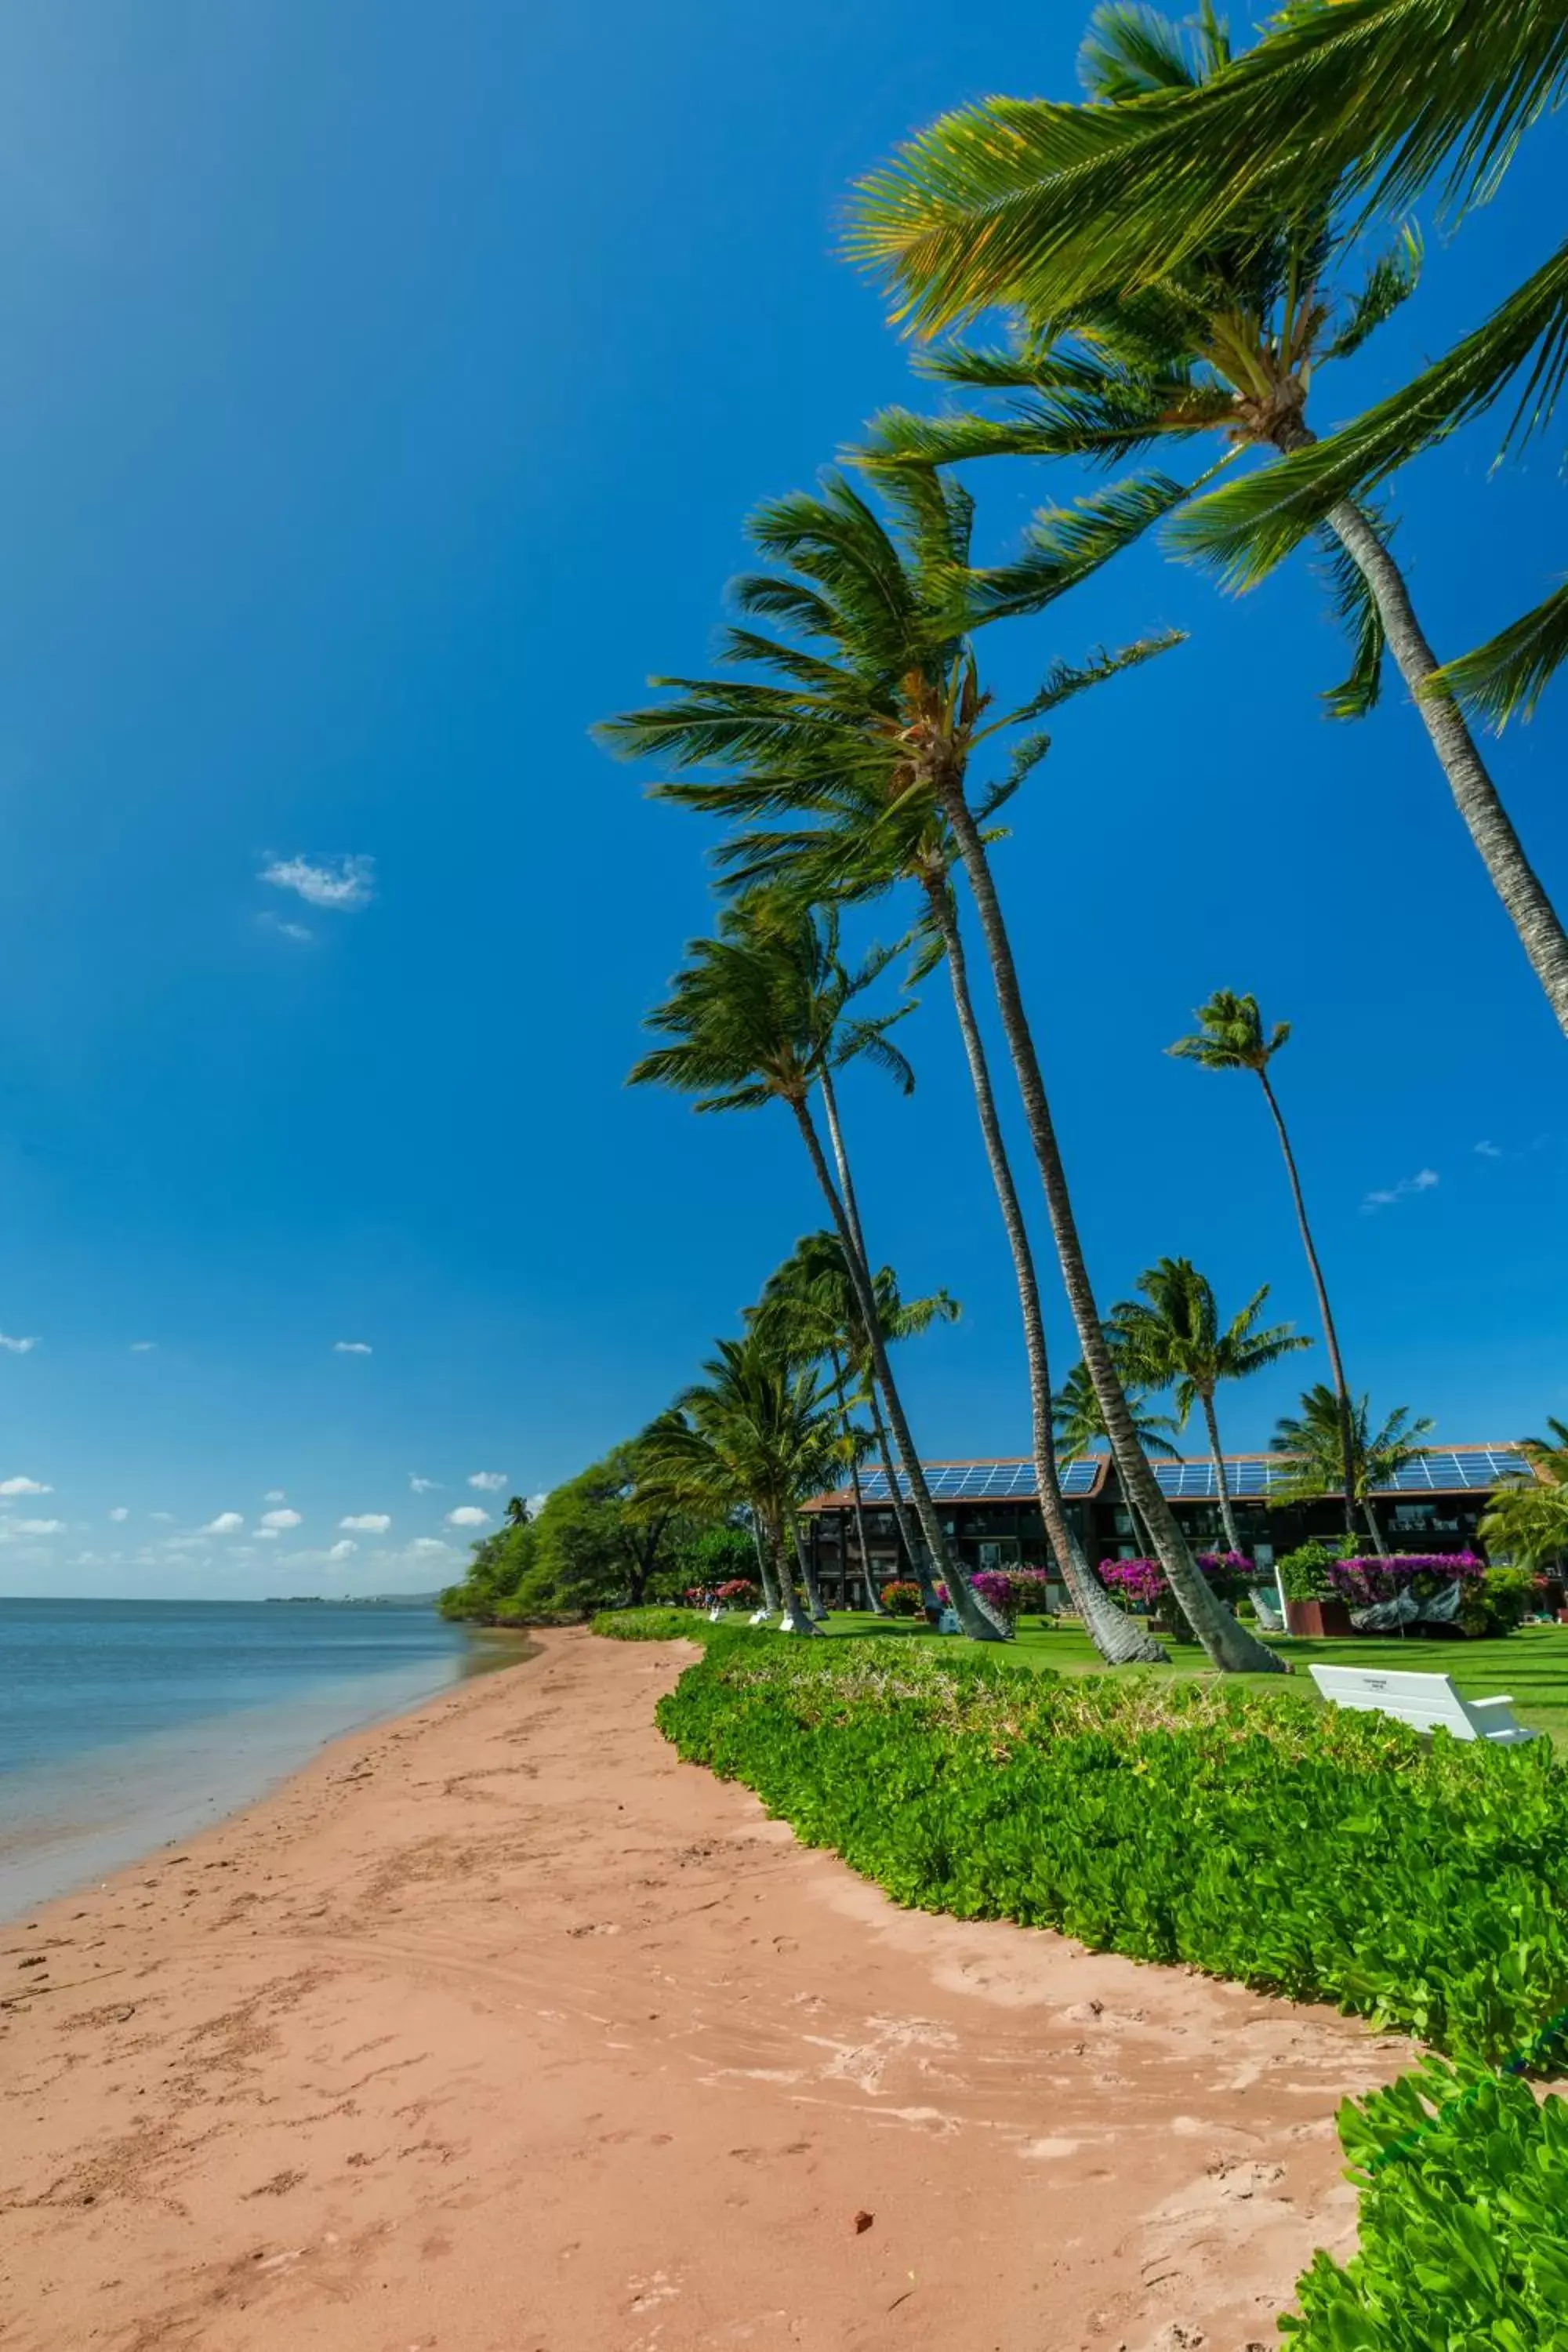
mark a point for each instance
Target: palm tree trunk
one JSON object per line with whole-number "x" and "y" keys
{"x": 872, "y": 1601}
{"x": 920, "y": 1568}
{"x": 1120, "y": 1639}
{"x": 1330, "y": 1338}
{"x": 1227, "y": 1516}
{"x": 1224, "y": 1637}
{"x": 764, "y": 1566}
{"x": 807, "y": 1568}
{"x": 793, "y": 1615}
{"x": 1476, "y": 797}
{"x": 1370, "y": 1516}
{"x": 975, "y": 1621}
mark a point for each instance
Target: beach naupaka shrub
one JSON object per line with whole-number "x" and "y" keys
{"x": 1308, "y": 1852}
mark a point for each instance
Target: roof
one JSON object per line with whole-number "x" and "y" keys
{"x": 1440, "y": 1470}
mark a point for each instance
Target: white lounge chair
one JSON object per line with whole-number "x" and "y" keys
{"x": 1424, "y": 1700}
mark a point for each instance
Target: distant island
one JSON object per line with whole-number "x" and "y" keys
{"x": 353, "y": 1600}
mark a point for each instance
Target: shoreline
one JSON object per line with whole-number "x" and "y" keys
{"x": 497, "y": 2028}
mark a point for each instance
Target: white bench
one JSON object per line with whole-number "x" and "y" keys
{"x": 1424, "y": 1700}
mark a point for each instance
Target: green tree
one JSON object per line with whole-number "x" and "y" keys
{"x": 596, "y": 1541}
{"x": 757, "y": 1432}
{"x": 1548, "y": 1456}
{"x": 1232, "y": 1035}
{"x": 862, "y": 729}
{"x": 1528, "y": 1524}
{"x": 518, "y": 1514}
{"x": 1222, "y": 337}
{"x": 1079, "y": 1429}
{"x": 1172, "y": 1337}
{"x": 755, "y": 1017}
{"x": 1310, "y": 1437}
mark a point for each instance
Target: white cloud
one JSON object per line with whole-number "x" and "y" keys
{"x": 275, "y": 1494}
{"x": 280, "y": 1519}
{"x": 429, "y": 1543}
{"x": 23, "y": 1486}
{"x": 271, "y": 922}
{"x": 492, "y": 1481}
{"x": 341, "y": 884}
{"x": 227, "y": 1523}
{"x": 536, "y": 1503}
{"x": 17, "y": 1347}
{"x": 142, "y": 1347}
{"x": 266, "y": 1535}
{"x": 424, "y": 1485}
{"x": 367, "y": 1523}
{"x": 351, "y": 1347}
{"x": 341, "y": 1550}
{"x": 467, "y": 1515}
{"x": 1487, "y": 1152}
{"x": 164, "y": 1516}
{"x": 40, "y": 1526}
{"x": 119, "y": 1515}
{"x": 1407, "y": 1186}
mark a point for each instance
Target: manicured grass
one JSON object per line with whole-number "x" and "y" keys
{"x": 1532, "y": 1665}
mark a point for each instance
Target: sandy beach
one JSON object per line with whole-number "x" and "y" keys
{"x": 500, "y": 2030}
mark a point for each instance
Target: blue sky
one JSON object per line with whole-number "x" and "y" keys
{"x": 384, "y": 391}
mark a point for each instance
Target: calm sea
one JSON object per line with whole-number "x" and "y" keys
{"x": 125, "y": 1723}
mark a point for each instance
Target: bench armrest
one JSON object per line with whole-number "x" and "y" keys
{"x": 1506, "y": 1701}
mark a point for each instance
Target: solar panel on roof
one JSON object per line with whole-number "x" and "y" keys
{"x": 1471, "y": 1470}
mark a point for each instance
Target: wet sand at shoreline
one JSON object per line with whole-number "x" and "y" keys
{"x": 500, "y": 2029}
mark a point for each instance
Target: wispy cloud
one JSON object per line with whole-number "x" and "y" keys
{"x": 491, "y": 1481}
{"x": 467, "y": 1515}
{"x": 17, "y": 1347}
{"x": 1408, "y": 1187}
{"x": 23, "y": 1486}
{"x": 227, "y": 1523}
{"x": 429, "y": 1543}
{"x": 424, "y": 1485}
{"x": 280, "y": 1519}
{"x": 285, "y": 929}
{"x": 341, "y": 884}
{"x": 142, "y": 1347}
{"x": 342, "y": 1549}
{"x": 1489, "y": 1151}
{"x": 366, "y": 1523}
{"x": 351, "y": 1347}
{"x": 119, "y": 1515}
{"x": 267, "y": 1535}
{"x": 275, "y": 1494}
{"x": 165, "y": 1516}
{"x": 40, "y": 1526}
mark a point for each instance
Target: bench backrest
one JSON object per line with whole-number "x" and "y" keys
{"x": 1424, "y": 1700}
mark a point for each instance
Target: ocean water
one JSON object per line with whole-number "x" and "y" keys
{"x": 127, "y": 1724}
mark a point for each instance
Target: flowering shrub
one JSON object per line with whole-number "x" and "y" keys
{"x": 1142, "y": 1582}
{"x": 901, "y": 1599}
{"x": 1367, "y": 1579}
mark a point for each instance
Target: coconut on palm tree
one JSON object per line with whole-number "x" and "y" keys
{"x": 752, "y": 1018}
{"x": 1232, "y": 1035}
{"x": 1224, "y": 340}
{"x": 1311, "y": 1439}
{"x": 1172, "y": 1337}
{"x": 861, "y": 731}
{"x": 758, "y": 1431}
{"x": 1079, "y": 1428}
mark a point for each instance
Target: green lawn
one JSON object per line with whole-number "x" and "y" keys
{"x": 1532, "y": 1665}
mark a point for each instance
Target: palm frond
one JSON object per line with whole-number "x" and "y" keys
{"x": 1355, "y": 606}
{"x": 1065, "y": 545}
{"x": 1392, "y": 280}
{"x": 1507, "y": 677}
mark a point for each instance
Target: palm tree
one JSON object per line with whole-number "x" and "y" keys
{"x": 1223, "y": 337}
{"x": 755, "y": 1017}
{"x": 517, "y": 1512}
{"x": 1311, "y": 1439}
{"x": 1079, "y": 1428}
{"x": 1173, "y": 1335}
{"x": 1232, "y": 1036}
{"x": 810, "y": 1303}
{"x": 1529, "y": 1522}
{"x": 757, "y": 1432}
{"x": 868, "y": 740}
{"x": 1548, "y": 1456}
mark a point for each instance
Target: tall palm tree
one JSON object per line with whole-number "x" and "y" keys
{"x": 1224, "y": 338}
{"x": 1548, "y": 1456}
{"x": 757, "y": 1432}
{"x": 753, "y": 1018}
{"x": 1173, "y": 1336}
{"x": 1079, "y": 1428}
{"x": 1310, "y": 1437}
{"x": 517, "y": 1512}
{"x": 1530, "y": 1524}
{"x": 867, "y": 739}
{"x": 1232, "y": 1035}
